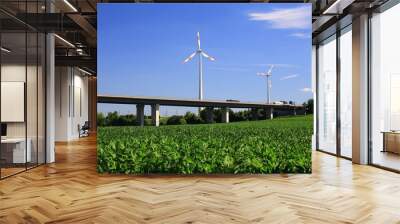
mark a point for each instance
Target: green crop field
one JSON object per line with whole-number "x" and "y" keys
{"x": 281, "y": 145}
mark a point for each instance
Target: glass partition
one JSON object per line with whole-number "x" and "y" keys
{"x": 327, "y": 95}
{"x": 23, "y": 91}
{"x": 13, "y": 94}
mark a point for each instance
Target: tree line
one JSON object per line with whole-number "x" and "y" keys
{"x": 116, "y": 119}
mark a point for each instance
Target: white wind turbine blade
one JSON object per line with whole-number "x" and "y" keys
{"x": 261, "y": 74}
{"x": 207, "y": 56}
{"x": 198, "y": 40}
{"x": 190, "y": 57}
{"x": 270, "y": 70}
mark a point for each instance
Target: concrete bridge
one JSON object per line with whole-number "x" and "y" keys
{"x": 156, "y": 102}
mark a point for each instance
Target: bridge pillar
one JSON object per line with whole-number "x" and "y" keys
{"x": 225, "y": 114}
{"x": 155, "y": 114}
{"x": 140, "y": 114}
{"x": 269, "y": 113}
{"x": 254, "y": 114}
{"x": 209, "y": 115}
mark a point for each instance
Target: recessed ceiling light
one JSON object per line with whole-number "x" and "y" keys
{"x": 5, "y": 50}
{"x": 70, "y": 5}
{"x": 337, "y": 7}
{"x": 84, "y": 71}
{"x": 64, "y": 40}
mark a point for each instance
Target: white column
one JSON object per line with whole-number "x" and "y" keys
{"x": 269, "y": 113}
{"x": 360, "y": 90}
{"x": 140, "y": 114}
{"x": 225, "y": 115}
{"x": 50, "y": 98}
{"x": 155, "y": 114}
{"x": 50, "y": 92}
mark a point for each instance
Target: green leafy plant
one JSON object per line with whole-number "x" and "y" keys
{"x": 273, "y": 146}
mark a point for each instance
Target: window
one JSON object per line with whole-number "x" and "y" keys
{"x": 385, "y": 88}
{"x": 327, "y": 95}
{"x": 346, "y": 92}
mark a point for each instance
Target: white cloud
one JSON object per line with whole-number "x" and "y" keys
{"x": 301, "y": 35}
{"x": 294, "y": 18}
{"x": 306, "y": 90}
{"x": 289, "y": 77}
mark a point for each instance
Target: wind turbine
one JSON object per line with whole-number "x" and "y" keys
{"x": 269, "y": 84}
{"x": 201, "y": 54}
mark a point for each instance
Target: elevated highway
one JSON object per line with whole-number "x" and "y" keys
{"x": 156, "y": 102}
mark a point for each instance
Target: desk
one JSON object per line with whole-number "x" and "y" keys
{"x": 391, "y": 141}
{"x": 13, "y": 150}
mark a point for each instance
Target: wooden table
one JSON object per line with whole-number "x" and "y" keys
{"x": 391, "y": 141}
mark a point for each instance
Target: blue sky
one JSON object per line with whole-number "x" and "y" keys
{"x": 141, "y": 48}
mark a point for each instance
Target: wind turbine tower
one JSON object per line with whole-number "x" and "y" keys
{"x": 200, "y": 54}
{"x": 269, "y": 83}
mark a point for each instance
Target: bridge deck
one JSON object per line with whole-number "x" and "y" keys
{"x": 189, "y": 102}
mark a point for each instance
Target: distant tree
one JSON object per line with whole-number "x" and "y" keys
{"x": 309, "y": 106}
{"x": 182, "y": 121}
{"x": 192, "y": 118}
{"x": 115, "y": 119}
{"x": 239, "y": 116}
{"x": 112, "y": 119}
{"x": 148, "y": 122}
{"x": 101, "y": 119}
{"x": 163, "y": 120}
{"x": 203, "y": 115}
{"x": 217, "y": 115}
{"x": 130, "y": 119}
{"x": 174, "y": 120}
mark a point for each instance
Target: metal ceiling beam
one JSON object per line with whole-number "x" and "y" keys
{"x": 83, "y": 23}
{"x": 337, "y": 7}
{"x": 44, "y": 22}
{"x": 81, "y": 61}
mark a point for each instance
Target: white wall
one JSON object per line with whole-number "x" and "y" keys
{"x": 62, "y": 83}
{"x": 80, "y": 110}
{"x": 17, "y": 73}
{"x": 33, "y": 126}
{"x": 71, "y": 102}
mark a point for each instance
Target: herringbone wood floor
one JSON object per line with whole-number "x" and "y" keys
{"x": 70, "y": 191}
